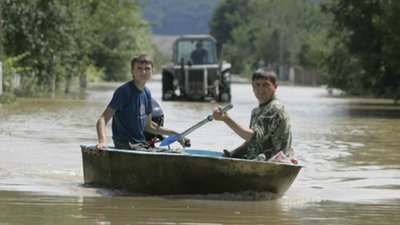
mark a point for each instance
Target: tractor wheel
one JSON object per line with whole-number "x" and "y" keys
{"x": 224, "y": 97}
{"x": 225, "y": 93}
{"x": 167, "y": 87}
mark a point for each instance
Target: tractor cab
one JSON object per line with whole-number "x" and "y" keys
{"x": 196, "y": 73}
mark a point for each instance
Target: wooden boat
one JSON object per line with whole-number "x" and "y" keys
{"x": 166, "y": 172}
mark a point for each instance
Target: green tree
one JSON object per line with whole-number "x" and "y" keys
{"x": 121, "y": 33}
{"x": 274, "y": 32}
{"x": 43, "y": 29}
{"x": 226, "y": 17}
{"x": 369, "y": 33}
{"x": 62, "y": 38}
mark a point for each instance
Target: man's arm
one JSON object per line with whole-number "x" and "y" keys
{"x": 154, "y": 128}
{"x": 101, "y": 126}
{"x": 238, "y": 152}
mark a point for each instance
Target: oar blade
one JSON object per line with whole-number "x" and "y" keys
{"x": 169, "y": 140}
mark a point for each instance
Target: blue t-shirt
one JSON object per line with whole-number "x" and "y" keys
{"x": 132, "y": 108}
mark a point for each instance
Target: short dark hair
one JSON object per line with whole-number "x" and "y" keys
{"x": 264, "y": 73}
{"x": 142, "y": 59}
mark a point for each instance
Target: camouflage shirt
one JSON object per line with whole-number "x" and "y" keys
{"x": 272, "y": 131}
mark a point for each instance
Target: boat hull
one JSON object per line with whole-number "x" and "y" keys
{"x": 190, "y": 172}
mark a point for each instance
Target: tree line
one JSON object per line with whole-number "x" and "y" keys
{"x": 351, "y": 44}
{"x": 51, "y": 42}
{"x": 189, "y": 17}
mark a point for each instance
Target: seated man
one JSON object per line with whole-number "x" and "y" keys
{"x": 270, "y": 130}
{"x": 199, "y": 55}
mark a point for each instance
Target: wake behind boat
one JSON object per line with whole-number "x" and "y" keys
{"x": 188, "y": 171}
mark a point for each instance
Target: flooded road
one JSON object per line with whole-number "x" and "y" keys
{"x": 350, "y": 148}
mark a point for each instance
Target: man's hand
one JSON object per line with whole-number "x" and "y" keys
{"x": 185, "y": 142}
{"x": 218, "y": 115}
{"x": 101, "y": 145}
{"x": 227, "y": 153}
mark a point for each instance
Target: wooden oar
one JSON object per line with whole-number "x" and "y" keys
{"x": 171, "y": 139}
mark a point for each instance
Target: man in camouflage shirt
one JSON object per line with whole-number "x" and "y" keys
{"x": 269, "y": 130}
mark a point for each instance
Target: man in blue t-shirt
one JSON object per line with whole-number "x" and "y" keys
{"x": 131, "y": 108}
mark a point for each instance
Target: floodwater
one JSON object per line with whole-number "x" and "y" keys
{"x": 350, "y": 149}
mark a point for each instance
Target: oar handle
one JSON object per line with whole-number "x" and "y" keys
{"x": 223, "y": 110}
{"x": 226, "y": 108}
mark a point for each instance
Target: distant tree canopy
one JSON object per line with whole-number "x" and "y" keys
{"x": 352, "y": 44}
{"x": 274, "y": 33}
{"x": 178, "y": 17}
{"x": 366, "y": 59}
{"x": 60, "y": 39}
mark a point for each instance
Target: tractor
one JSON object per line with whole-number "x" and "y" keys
{"x": 196, "y": 73}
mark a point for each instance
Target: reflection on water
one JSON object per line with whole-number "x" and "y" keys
{"x": 349, "y": 148}
{"x": 20, "y": 208}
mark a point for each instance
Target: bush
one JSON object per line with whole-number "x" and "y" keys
{"x": 7, "y": 98}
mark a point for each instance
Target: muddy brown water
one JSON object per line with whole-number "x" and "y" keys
{"x": 350, "y": 149}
